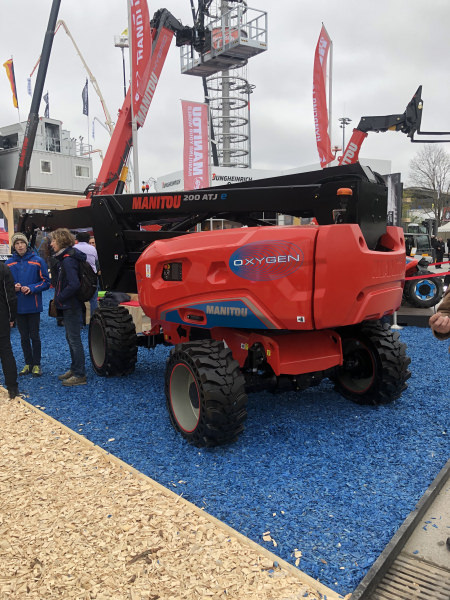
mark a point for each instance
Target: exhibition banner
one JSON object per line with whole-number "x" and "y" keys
{"x": 9, "y": 66}
{"x": 320, "y": 98}
{"x": 141, "y": 50}
{"x": 196, "y": 147}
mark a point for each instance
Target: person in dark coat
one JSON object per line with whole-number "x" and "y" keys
{"x": 31, "y": 279}
{"x": 8, "y": 311}
{"x": 440, "y": 249}
{"x": 66, "y": 288}
{"x": 53, "y": 267}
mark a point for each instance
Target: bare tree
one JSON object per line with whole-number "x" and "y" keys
{"x": 430, "y": 170}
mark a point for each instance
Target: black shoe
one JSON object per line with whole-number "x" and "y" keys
{"x": 13, "y": 391}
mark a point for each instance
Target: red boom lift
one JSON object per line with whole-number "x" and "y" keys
{"x": 256, "y": 307}
{"x": 259, "y": 307}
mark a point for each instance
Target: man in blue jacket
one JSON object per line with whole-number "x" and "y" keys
{"x": 66, "y": 289}
{"x": 31, "y": 278}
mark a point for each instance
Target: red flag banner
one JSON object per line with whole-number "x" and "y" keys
{"x": 196, "y": 150}
{"x": 320, "y": 98}
{"x": 141, "y": 50}
{"x": 9, "y": 66}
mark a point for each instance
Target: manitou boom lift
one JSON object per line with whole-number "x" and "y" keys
{"x": 407, "y": 122}
{"x": 254, "y": 307}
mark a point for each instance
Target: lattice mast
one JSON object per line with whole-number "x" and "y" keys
{"x": 233, "y": 33}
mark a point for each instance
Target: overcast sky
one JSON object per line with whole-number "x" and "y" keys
{"x": 382, "y": 51}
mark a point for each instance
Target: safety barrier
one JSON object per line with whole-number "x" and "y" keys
{"x": 429, "y": 275}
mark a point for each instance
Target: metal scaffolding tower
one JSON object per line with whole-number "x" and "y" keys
{"x": 235, "y": 33}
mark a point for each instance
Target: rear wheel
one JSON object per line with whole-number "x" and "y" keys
{"x": 205, "y": 393}
{"x": 112, "y": 341}
{"x": 424, "y": 293}
{"x": 375, "y": 367}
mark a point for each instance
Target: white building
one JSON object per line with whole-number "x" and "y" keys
{"x": 58, "y": 163}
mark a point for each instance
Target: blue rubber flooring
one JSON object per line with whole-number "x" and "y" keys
{"x": 325, "y": 476}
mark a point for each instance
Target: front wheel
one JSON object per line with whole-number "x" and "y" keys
{"x": 375, "y": 367}
{"x": 205, "y": 393}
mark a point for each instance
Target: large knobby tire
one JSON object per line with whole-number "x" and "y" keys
{"x": 205, "y": 393}
{"x": 375, "y": 367}
{"x": 424, "y": 293}
{"x": 112, "y": 341}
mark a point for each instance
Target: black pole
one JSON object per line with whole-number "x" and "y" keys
{"x": 213, "y": 139}
{"x": 33, "y": 117}
{"x": 124, "y": 78}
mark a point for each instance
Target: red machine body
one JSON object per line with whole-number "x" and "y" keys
{"x": 248, "y": 285}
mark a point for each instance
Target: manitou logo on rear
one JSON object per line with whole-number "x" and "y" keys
{"x": 156, "y": 202}
{"x": 226, "y": 311}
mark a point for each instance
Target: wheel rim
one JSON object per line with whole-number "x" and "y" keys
{"x": 425, "y": 289}
{"x": 358, "y": 371}
{"x": 97, "y": 344}
{"x": 184, "y": 397}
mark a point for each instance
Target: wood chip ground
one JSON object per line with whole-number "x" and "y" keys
{"x": 77, "y": 523}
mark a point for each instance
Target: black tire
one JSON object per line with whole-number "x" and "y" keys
{"x": 375, "y": 368}
{"x": 112, "y": 341}
{"x": 205, "y": 393}
{"x": 424, "y": 293}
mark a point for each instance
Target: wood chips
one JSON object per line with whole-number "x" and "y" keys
{"x": 77, "y": 523}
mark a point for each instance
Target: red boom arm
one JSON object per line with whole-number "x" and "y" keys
{"x": 121, "y": 139}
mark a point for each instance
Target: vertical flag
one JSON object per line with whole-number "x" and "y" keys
{"x": 9, "y": 66}
{"x": 93, "y": 129}
{"x": 141, "y": 46}
{"x": 320, "y": 98}
{"x": 85, "y": 97}
{"x": 29, "y": 86}
{"x": 196, "y": 148}
{"x": 47, "y": 107}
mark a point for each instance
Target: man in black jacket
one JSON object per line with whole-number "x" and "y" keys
{"x": 440, "y": 249}
{"x": 8, "y": 311}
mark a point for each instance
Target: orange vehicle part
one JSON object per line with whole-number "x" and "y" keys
{"x": 277, "y": 278}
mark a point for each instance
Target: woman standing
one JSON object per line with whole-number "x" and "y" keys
{"x": 66, "y": 288}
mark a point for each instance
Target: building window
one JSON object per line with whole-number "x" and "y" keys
{"x": 46, "y": 166}
{"x": 81, "y": 171}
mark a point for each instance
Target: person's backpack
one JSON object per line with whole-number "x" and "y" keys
{"x": 88, "y": 282}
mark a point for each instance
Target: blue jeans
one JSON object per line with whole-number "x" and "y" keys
{"x": 72, "y": 323}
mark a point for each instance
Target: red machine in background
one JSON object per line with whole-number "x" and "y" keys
{"x": 111, "y": 178}
{"x": 408, "y": 123}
